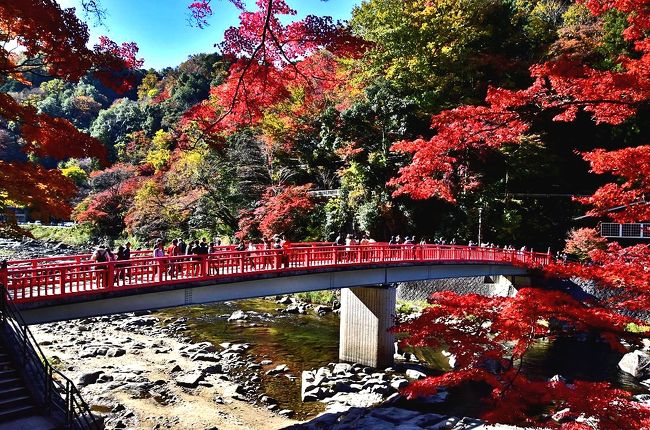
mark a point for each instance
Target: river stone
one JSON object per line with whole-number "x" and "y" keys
{"x": 88, "y": 378}
{"x": 237, "y": 315}
{"x": 189, "y": 380}
{"x": 235, "y": 391}
{"x": 643, "y": 398}
{"x": 295, "y": 309}
{"x": 115, "y": 352}
{"x": 213, "y": 370}
{"x": 310, "y": 396}
{"x": 414, "y": 374}
{"x": 284, "y": 300}
{"x": 400, "y": 383}
{"x": 205, "y": 357}
{"x": 322, "y": 310}
{"x": 341, "y": 368}
{"x": 286, "y": 413}
{"x": 635, "y": 363}
{"x": 563, "y": 415}
{"x": 378, "y": 389}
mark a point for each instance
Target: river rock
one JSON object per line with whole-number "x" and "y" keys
{"x": 88, "y": 378}
{"x": 399, "y": 383}
{"x": 296, "y": 309}
{"x": 237, "y": 315}
{"x": 635, "y": 363}
{"x": 322, "y": 310}
{"x": 189, "y": 380}
{"x": 414, "y": 374}
{"x": 115, "y": 352}
{"x": 642, "y": 398}
{"x": 205, "y": 357}
{"x": 213, "y": 369}
{"x": 285, "y": 300}
{"x": 340, "y": 368}
{"x": 234, "y": 391}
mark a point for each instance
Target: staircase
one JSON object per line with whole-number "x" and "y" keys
{"x": 15, "y": 399}
{"x": 33, "y": 394}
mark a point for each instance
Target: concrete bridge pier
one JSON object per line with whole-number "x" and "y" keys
{"x": 366, "y": 315}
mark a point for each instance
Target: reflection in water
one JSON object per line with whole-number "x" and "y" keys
{"x": 585, "y": 357}
{"x": 305, "y": 342}
{"x": 302, "y": 342}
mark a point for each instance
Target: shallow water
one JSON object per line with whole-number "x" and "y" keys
{"x": 584, "y": 357}
{"x": 302, "y": 342}
{"x": 306, "y": 342}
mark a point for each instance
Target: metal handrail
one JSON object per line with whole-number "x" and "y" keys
{"x": 61, "y": 394}
{"x": 30, "y": 284}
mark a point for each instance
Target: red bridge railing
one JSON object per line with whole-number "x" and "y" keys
{"x": 59, "y": 277}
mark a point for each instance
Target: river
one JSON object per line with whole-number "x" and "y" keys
{"x": 308, "y": 341}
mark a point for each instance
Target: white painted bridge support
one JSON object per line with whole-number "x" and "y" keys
{"x": 366, "y": 315}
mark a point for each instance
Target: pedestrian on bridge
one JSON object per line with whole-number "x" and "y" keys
{"x": 101, "y": 255}
{"x": 173, "y": 250}
{"x": 159, "y": 254}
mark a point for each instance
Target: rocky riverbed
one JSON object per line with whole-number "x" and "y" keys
{"x": 142, "y": 376}
{"x": 141, "y": 372}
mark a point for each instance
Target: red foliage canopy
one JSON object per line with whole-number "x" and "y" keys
{"x": 564, "y": 86}
{"x": 480, "y": 331}
{"x": 282, "y": 208}
{"x": 269, "y": 58}
{"x": 53, "y": 40}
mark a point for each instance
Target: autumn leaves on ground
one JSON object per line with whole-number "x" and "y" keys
{"x": 423, "y": 114}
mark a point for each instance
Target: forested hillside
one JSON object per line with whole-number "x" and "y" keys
{"x": 225, "y": 145}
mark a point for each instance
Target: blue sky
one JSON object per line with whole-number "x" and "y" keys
{"x": 162, "y": 33}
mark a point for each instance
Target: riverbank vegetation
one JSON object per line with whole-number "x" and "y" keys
{"x": 426, "y": 117}
{"x": 182, "y": 157}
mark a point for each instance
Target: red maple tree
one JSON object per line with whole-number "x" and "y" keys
{"x": 280, "y": 211}
{"x": 50, "y": 40}
{"x": 490, "y": 337}
{"x": 269, "y": 58}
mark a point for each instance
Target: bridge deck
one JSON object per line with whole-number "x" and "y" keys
{"x": 30, "y": 281}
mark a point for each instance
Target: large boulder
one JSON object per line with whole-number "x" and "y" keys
{"x": 635, "y": 363}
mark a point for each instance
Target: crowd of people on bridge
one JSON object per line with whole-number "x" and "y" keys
{"x": 255, "y": 257}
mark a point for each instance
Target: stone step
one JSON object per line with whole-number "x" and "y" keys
{"x": 9, "y": 382}
{"x": 9, "y": 393}
{"x": 7, "y": 414}
{"x": 7, "y": 373}
{"x": 15, "y": 402}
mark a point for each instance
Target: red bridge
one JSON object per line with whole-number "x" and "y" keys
{"x": 67, "y": 287}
